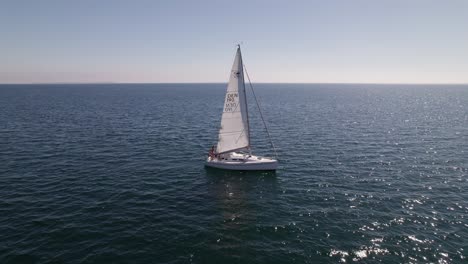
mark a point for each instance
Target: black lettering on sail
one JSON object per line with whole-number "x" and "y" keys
{"x": 232, "y": 101}
{"x": 230, "y": 107}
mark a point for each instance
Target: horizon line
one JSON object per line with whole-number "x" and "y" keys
{"x": 52, "y": 83}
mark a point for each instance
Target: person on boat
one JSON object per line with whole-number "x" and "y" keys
{"x": 212, "y": 153}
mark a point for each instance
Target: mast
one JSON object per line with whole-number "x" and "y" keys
{"x": 245, "y": 97}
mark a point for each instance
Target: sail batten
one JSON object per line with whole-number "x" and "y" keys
{"x": 234, "y": 131}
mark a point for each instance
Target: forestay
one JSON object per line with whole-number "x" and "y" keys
{"x": 234, "y": 131}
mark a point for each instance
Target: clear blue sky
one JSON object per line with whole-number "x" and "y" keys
{"x": 394, "y": 41}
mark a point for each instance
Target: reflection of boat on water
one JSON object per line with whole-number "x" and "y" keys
{"x": 233, "y": 151}
{"x": 256, "y": 175}
{"x": 241, "y": 203}
{"x": 238, "y": 194}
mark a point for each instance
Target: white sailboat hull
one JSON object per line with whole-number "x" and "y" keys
{"x": 236, "y": 161}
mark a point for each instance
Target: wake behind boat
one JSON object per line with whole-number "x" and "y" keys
{"x": 233, "y": 151}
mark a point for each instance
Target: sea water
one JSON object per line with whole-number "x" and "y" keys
{"x": 114, "y": 173}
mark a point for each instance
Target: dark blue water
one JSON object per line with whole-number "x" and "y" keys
{"x": 114, "y": 174}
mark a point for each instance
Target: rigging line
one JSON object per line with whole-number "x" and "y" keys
{"x": 261, "y": 114}
{"x": 240, "y": 135}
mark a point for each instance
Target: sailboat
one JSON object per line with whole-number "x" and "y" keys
{"x": 233, "y": 151}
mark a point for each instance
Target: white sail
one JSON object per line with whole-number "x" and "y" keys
{"x": 234, "y": 131}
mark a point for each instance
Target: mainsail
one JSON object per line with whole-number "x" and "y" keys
{"x": 234, "y": 131}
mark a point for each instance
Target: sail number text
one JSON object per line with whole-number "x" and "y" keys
{"x": 232, "y": 100}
